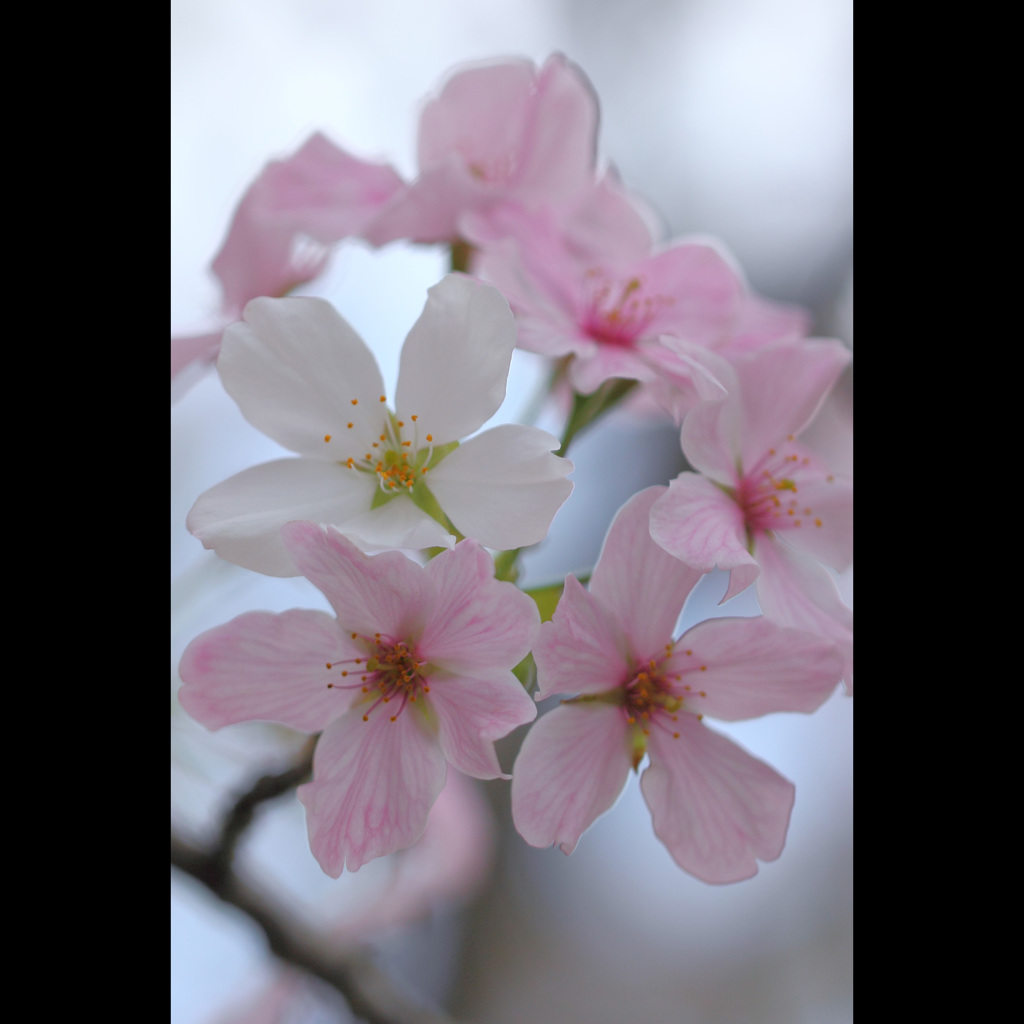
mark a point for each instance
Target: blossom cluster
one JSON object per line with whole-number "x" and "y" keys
{"x": 409, "y": 517}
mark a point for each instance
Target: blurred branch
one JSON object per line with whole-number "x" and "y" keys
{"x": 368, "y": 991}
{"x": 365, "y": 987}
{"x": 240, "y": 816}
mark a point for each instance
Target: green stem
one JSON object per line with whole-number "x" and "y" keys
{"x": 462, "y": 254}
{"x": 505, "y": 567}
{"x": 587, "y": 409}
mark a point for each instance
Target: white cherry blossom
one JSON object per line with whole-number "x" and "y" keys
{"x": 383, "y": 478}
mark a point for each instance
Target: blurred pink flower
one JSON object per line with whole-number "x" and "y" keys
{"x": 762, "y": 506}
{"x": 498, "y": 133}
{"x": 639, "y": 315}
{"x": 301, "y": 375}
{"x": 415, "y": 673}
{"x": 283, "y": 226}
{"x": 638, "y": 691}
{"x": 446, "y": 866}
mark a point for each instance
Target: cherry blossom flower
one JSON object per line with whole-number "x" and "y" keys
{"x": 386, "y": 479}
{"x": 414, "y": 674}
{"x": 498, "y": 133}
{"x": 639, "y": 692}
{"x": 282, "y": 229}
{"x": 652, "y": 318}
{"x": 763, "y": 506}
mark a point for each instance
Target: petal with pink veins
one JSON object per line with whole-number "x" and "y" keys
{"x": 640, "y": 583}
{"x": 795, "y": 590}
{"x": 753, "y": 667}
{"x": 385, "y": 593}
{"x": 698, "y": 523}
{"x": 475, "y": 709}
{"x": 265, "y": 667}
{"x": 584, "y": 648}
{"x": 571, "y": 768}
{"x": 475, "y": 621}
{"x": 717, "y": 809}
{"x": 374, "y": 783}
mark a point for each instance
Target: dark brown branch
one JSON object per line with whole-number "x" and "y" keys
{"x": 365, "y": 987}
{"x": 240, "y": 816}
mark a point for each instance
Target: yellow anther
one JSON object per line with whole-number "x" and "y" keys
{"x": 327, "y": 438}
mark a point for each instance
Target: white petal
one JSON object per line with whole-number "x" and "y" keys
{"x": 241, "y": 518}
{"x": 398, "y": 524}
{"x": 504, "y": 486}
{"x": 455, "y": 360}
{"x": 294, "y": 366}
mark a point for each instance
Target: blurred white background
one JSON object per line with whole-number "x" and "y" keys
{"x": 732, "y": 118}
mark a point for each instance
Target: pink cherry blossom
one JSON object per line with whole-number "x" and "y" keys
{"x": 639, "y": 692}
{"x": 414, "y": 674}
{"x": 386, "y": 479}
{"x": 282, "y": 229}
{"x": 498, "y": 133}
{"x": 763, "y": 506}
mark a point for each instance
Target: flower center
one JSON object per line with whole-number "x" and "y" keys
{"x": 770, "y": 493}
{"x": 398, "y": 455}
{"x": 493, "y": 170}
{"x": 652, "y": 697}
{"x": 617, "y": 314}
{"x": 391, "y": 671}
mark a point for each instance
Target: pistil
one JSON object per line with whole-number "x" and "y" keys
{"x": 391, "y": 671}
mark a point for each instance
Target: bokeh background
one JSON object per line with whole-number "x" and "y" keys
{"x": 732, "y": 118}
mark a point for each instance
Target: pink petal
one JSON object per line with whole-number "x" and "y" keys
{"x": 583, "y": 649}
{"x": 294, "y": 367}
{"x": 321, "y": 192}
{"x": 597, "y": 364}
{"x": 504, "y": 486}
{"x": 447, "y": 865}
{"x": 455, "y": 360}
{"x": 641, "y": 584}
{"x": 241, "y": 518}
{"x": 795, "y": 590}
{"x": 761, "y": 322}
{"x": 571, "y": 768}
{"x": 475, "y": 709}
{"x": 751, "y": 667}
{"x": 188, "y": 351}
{"x": 716, "y": 808}
{"x": 374, "y": 783}
{"x": 782, "y": 388}
{"x": 480, "y": 113}
{"x": 475, "y": 621}
{"x": 829, "y": 499}
{"x": 561, "y": 145}
{"x": 685, "y": 375}
{"x": 698, "y": 523}
{"x": 700, "y": 292}
{"x": 385, "y": 593}
{"x": 264, "y": 667}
